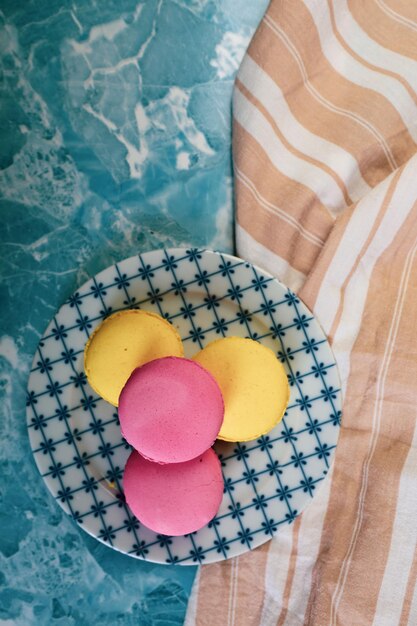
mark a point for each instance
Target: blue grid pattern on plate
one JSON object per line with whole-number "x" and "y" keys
{"x": 206, "y": 296}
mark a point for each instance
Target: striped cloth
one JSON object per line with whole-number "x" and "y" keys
{"x": 325, "y": 133}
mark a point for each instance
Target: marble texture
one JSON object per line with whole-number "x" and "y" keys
{"x": 115, "y": 126}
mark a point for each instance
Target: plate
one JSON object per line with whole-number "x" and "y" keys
{"x": 75, "y": 435}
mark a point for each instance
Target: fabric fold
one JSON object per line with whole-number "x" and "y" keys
{"x": 325, "y": 155}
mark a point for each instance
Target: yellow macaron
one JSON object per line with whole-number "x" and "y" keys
{"x": 253, "y": 383}
{"x": 122, "y": 342}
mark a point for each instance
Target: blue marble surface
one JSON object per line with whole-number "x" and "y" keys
{"x": 115, "y": 139}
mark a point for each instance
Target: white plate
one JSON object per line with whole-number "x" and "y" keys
{"x": 75, "y": 435}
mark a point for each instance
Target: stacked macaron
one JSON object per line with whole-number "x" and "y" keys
{"x": 172, "y": 409}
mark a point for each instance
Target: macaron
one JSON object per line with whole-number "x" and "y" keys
{"x": 253, "y": 383}
{"x": 174, "y": 499}
{"x": 122, "y": 342}
{"x": 171, "y": 410}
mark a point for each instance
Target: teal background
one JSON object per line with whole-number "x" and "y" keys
{"x": 115, "y": 139}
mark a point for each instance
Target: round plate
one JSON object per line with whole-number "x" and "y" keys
{"x": 75, "y": 435}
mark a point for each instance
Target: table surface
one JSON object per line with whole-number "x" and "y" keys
{"x": 115, "y": 122}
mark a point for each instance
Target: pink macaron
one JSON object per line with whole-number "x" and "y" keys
{"x": 171, "y": 410}
{"x": 174, "y": 499}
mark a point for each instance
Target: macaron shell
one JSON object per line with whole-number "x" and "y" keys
{"x": 171, "y": 410}
{"x": 254, "y": 386}
{"x": 174, "y": 499}
{"x": 123, "y": 342}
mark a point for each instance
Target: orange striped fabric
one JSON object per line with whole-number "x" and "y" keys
{"x": 325, "y": 155}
